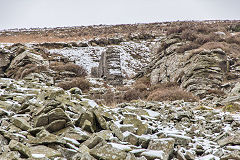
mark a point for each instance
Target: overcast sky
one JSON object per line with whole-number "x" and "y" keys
{"x": 54, "y": 13}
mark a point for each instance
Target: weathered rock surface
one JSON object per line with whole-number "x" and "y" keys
{"x": 110, "y": 66}
{"x": 39, "y": 120}
{"x": 5, "y": 57}
{"x": 108, "y": 152}
{"x": 74, "y": 126}
{"x": 203, "y": 72}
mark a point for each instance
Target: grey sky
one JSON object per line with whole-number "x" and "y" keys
{"x": 53, "y": 13}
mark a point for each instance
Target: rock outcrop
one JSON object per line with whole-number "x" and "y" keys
{"x": 110, "y": 66}
{"x": 41, "y": 121}
{"x": 200, "y": 71}
{"x": 5, "y": 59}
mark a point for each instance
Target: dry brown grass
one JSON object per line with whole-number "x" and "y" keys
{"x": 230, "y": 76}
{"x": 81, "y": 83}
{"x": 217, "y": 92}
{"x": 204, "y": 36}
{"x": 162, "y": 86}
{"x": 231, "y": 50}
{"x": 73, "y": 34}
{"x": 187, "y": 47}
{"x": 232, "y": 107}
{"x": 141, "y": 87}
{"x": 111, "y": 98}
{"x": 171, "y": 94}
{"x": 123, "y": 88}
{"x": 27, "y": 69}
{"x": 78, "y": 70}
{"x": 132, "y": 94}
{"x": 233, "y": 39}
{"x": 188, "y": 35}
{"x": 143, "y": 80}
{"x": 211, "y": 37}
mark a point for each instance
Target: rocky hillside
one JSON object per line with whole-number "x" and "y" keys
{"x": 145, "y": 91}
{"x": 40, "y": 121}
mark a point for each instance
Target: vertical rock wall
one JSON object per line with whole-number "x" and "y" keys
{"x": 110, "y": 66}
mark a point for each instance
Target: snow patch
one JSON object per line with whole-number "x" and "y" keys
{"x": 38, "y": 155}
{"x": 153, "y": 154}
{"x": 121, "y": 147}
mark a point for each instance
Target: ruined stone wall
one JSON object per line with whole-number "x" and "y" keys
{"x": 110, "y": 66}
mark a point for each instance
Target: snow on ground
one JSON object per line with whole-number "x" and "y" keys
{"x": 38, "y": 155}
{"x": 88, "y": 57}
{"x": 134, "y": 56}
{"x": 121, "y": 147}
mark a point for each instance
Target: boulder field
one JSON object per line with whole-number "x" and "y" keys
{"x": 39, "y": 121}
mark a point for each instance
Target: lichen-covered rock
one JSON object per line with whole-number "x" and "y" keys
{"x": 4, "y": 60}
{"x": 231, "y": 155}
{"x": 131, "y": 138}
{"x": 94, "y": 141}
{"x": 56, "y": 125}
{"x": 197, "y": 71}
{"x": 44, "y": 137}
{"x": 21, "y": 123}
{"x": 166, "y": 145}
{"x": 132, "y": 119}
{"x": 87, "y": 121}
{"x": 154, "y": 154}
{"x": 108, "y": 152}
{"x": 235, "y": 139}
{"x": 21, "y": 148}
{"x": 10, "y": 155}
{"x": 44, "y": 152}
{"x": 115, "y": 129}
{"x": 102, "y": 122}
{"x": 180, "y": 140}
{"x": 54, "y": 120}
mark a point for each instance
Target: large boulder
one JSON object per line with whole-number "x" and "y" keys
{"x": 5, "y": 59}
{"x": 21, "y": 148}
{"x": 164, "y": 146}
{"x": 44, "y": 152}
{"x": 108, "y": 152}
{"x": 230, "y": 140}
{"x": 53, "y": 121}
{"x": 21, "y": 60}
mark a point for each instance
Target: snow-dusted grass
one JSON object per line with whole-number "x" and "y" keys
{"x": 134, "y": 56}
{"x": 88, "y": 57}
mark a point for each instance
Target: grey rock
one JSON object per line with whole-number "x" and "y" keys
{"x": 233, "y": 155}
{"x": 21, "y": 123}
{"x": 115, "y": 129}
{"x": 110, "y": 67}
{"x": 180, "y": 140}
{"x": 102, "y": 122}
{"x": 132, "y": 139}
{"x": 94, "y": 141}
{"x": 87, "y": 121}
{"x": 21, "y": 148}
{"x": 108, "y": 152}
{"x": 43, "y": 150}
{"x": 230, "y": 140}
{"x": 165, "y": 145}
